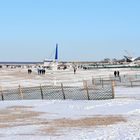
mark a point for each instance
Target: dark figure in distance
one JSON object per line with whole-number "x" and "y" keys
{"x": 29, "y": 71}
{"x": 74, "y": 70}
{"x": 115, "y": 73}
{"x": 118, "y": 73}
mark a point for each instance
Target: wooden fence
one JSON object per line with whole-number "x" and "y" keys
{"x": 62, "y": 92}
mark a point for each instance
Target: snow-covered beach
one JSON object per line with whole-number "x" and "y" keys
{"x": 13, "y": 77}
{"x": 70, "y": 119}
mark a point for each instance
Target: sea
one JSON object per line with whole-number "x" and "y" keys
{"x": 18, "y": 63}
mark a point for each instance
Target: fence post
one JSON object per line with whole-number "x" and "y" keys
{"x": 131, "y": 83}
{"x": 20, "y": 92}
{"x": 86, "y": 88}
{"x": 2, "y": 97}
{"x": 120, "y": 79}
{"x": 93, "y": 82}
{"x": 130, "y": 80}
{"x": 100, "y": 80}
{"x": 110, "y": 77}
{"x": 63, "y": 91}
{"x": 42, "y": 97}
{"x": 102, "y": 83}
{"x": 113, "y": 89}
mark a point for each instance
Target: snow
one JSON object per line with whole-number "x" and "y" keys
{"x": 123, "y": 92}
{"x": 128, "y": 108}
{"x": 126, "y": 105}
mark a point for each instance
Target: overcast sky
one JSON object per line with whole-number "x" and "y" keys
{"x": 85, "y": 30}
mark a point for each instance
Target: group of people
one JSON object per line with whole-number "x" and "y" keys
{"x": 29, "y": 71}
{"x": 41, "y": 71}
{"x": 116, "y": 73}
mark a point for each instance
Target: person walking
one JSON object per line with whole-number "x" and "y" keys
{"x": 74, "y": 70}
{"x": 115, "y": 73}
{"x": 118, "y": 73}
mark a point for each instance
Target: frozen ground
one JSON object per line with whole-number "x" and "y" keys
{"x": 14, "y": 77}
{"x": 116, "y": 119}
